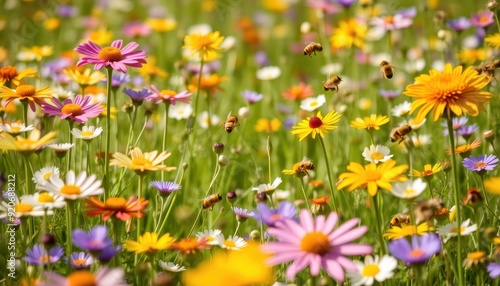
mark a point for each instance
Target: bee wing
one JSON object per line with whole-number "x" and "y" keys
{"x": 307, "y": 43}
{"x": 305, "y": 159}
{"x": 229, "y": 114}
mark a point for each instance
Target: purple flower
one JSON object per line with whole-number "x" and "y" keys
{"x": 467, "y": 130}
{"x": 96, "y": 240}
{"x": 261, "y": 59}
{"x": 35, "y": 255}
{"x": 285, "y": 210}
{"x": 482, "y": 19}
{"x": 108, "y": 253}
{"x": 66, "y": 11}
{"x": 80, "y": 109}
{"x": 459, "y": 24}
{"x": 165, "y": 188}
{"x": 389, "y": 94}
{"x": 252, "y": 96}
{"x": 494, "y": 269}
{"x": 242, "y": 214}
{"x": 113, "y": 56}
{"x": 457, "y": 122}
{"x": 480, "y": 163}
{"x": 81, "y": 260}
{"x": 118, "y": 79}
{"x": 421, "y": 249}
{"x": 346, "y": 3}
{"x": 137, "y": 96}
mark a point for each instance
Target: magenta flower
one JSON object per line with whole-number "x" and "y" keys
{"x": 483, "y": 19}
{"x": 79, "y": 109}
{"x": 113, "y": 56}
{"x": 481, "y": 163}
{"x": 168, "y": 96}
{"x": 328, "y": 6}
{"x": 421, "y": 249}
{"x": 316, "y": 243}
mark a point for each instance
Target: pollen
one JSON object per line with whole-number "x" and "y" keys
{"x": 87, "y": 133}
{"x": 168, "y": 93}
{"x": 370, "y": 270}
{"x": 71, "y": 190}
{"x": 45, "y": 198}
{"x": 25, "y": 90}
{"x": 81, "y": 278}
{"x": 316, "y": 242}
{"x": 315, "y": 122}
{"x": 115, "y": 203}
{"x": 81, "y": 262}
{"x": 455, "y": 230}
{"x": 110, "y": 54}
{"x": 73, "y": 109}
{"x": 47, "y": 175}
{"x": 23, "y": 208}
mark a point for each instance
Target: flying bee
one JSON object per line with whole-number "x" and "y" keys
{"x": 231, "y": 122}
{"x": 303, "y": 166}
{"x": 489, "y": 68}
{"x": 400, "y": 133}
{"x": 428, "y": 210}
{"x": 386, "y": 69}
{"x": 399, "y": 219}
{"x": 210, "y": 201}
{"x": 312, "y": 47}
{"x": 332, "y": 83}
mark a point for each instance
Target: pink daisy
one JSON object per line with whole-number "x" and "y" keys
{"x": 316, "y": 243}
{"x": 113, "y": 56}
{"x": 80, "y": 109}
{"x": 170, "y": 95}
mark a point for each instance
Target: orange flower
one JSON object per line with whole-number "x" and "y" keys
{"x": 319, "y": 200}
{"x": 117, "y": 207}
{"x": 9, "y": 74}
{"x": 298, "y": 92}
{"x": 465, "y": 149}
{"x": 190, "y": 245}
{"x": 210, "y": 84}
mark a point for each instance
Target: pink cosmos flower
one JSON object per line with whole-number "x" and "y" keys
{"x": 316, "y": 243}
{"x": 113, "y": 56}
{"x": 79, "y": 109}
{"x": 168, "y": 95}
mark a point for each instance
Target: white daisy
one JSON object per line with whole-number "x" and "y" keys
{"x": 211, "y": 234}
{"x": 228, "y": 43}
{"x": 21, "y": 208}
{"x": 60, "y": 147}
{"x": 200, "y": 29}
{"x": 62, "y": 94}
{"x": 232, "y": 242}
{"x": 409, "y": 189}
{"x": 42, "y": 176}
{"x": 401, "y": 109}
{"x": 75, "y": 187}
{"x": 180, "y": 111}
{"x": 450, "y": 230}
{"x": 421, "y": 140}
{"x": 373, "y": 269}
{"x": 204, "y": 121}
{"x": 268, "y": 73}
{"x": 281, "y": 195}
{"x": 46, "y": 200}
{"x": 376, "y": 154}
{"x": 312, "y": 103}
{"x": 171, "y": 267}
{"x": 268, "y": 188}
{"x": 87, "y": 132}
{"x": 16, "y": 128}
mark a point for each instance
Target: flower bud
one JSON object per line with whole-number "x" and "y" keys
{"x": 473, "y": 198}
{"x": 218, "y": 148}
{"x": 185, "y": 165}
{"x": 48, "y": 240}
{"x": 128, "y": 107}
{"x": 489, "y": 135}
{"x": 261, "y": 197}
{"x": 492, "y": 5}
{"x": 446, "y": 166}
{"x": 243, "y": 112}
{"x": 223, "y": 160}
{"x": 231, "y": 196}
{"x": 163, "y": 279}
{"x": 255, "y": 235}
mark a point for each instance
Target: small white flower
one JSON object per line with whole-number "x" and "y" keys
{"x": 333, "y": 68}
{"x": 268, "y": 188}
{"x": 409, "y": 189}
{"x": 312, "y": 103}
{"x": 281, "y": 195}
{"x": 75, "y": 187}
{"x": 211, "y": 234}
{"x": 373, "y": 270}
{"x": 42, "y": 176}
{"x": 180, "y": 111}
{"x": 450, "y": 230}
{"x": 60, "y": 147}
{"x": 87, "y": 132}
{"x": 232, "y": 242}
{"x": 202, "y": 29}
{"x": 268, "y": 73}
{"x": 228, "y": 43}
{"x": 21, "y": 208}
{"x": 171, "y": 267}
{"x": 204, "y": 121}
{"x": 62, "y": 93}
{"x": 421, "y": 140}
{"x": 305, "y": 27}
{"x": 376, "y": 154}
{"x": 16, "y": 128}
{"x": 401, "y": 109}
{"x": 46, "y": 200}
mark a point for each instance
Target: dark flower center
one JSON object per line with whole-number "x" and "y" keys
{"x": 24, "y": 91}
{"x": 315, "y": 122}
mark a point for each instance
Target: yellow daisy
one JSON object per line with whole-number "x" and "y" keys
{"x": 316, "y": 125}
{"x": 372, "y": 176}
{"x": 464, "y": 150}
{"x": 492, "y": 186}
{"x": 101, "y": 37}
{"x": 161, "y": 25}
{"x": 267, "y": 126}
{"x": 38, "y": 52}
{"x": 141, "y": 162}
{"x": 407, "y": 230}
{"x": 428, "y": 171}
{"x": 88, "y": 77}
{"x": 493, "y": 40}
{"x": 26, "y": 145}
{"x": 349, "y": 33}
{"x": 471, "y": 56}
{"x": 368, "y": 123}
{"x": 149, "y": 243}
{"x": 9, "y": 74}
{"x": 452, "y": 91}
{"x": 205, "y": 46}
{"x": 150, "y": 71}
{"x": 26, "y": 93}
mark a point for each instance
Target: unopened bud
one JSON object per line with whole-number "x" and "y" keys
{"x": 48, "y": 240}
{"x": 185, "y": 166}
{"x": 128, "y": 107}
{"x": 492, "y": 5}
{"x": 255, "y": 235}
{"x": 261, "y": 197}
{"x": 163, "y": 279}
{"x": 231, "y": 196}
{"x": 223, "y": 160}
{"x": 243, "y": 112}
{"x": 218, "y": 148}
{"x": 446, "y": 166}
{"x": 489, "y": 135}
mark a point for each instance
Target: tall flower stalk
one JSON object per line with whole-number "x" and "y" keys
{"x": 109, "y": 74}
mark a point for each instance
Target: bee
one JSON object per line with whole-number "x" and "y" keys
{"x": 399, "y": 219}
{"x": 210, "y": 201}
{"x": 303, "y": 166}
{"x": 400, "y": 133}
{"x": 489, "y": 68}
{"x": 332, "y": 83}
{"x": 312, "y": 47}
{"x": 231, "y": 122}
{"x": 426, "y": 211}
{"x": 386, "y": 69}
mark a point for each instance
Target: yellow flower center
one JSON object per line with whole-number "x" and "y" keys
{"x": 47, "y": 175}
{"x": 168, "y": 93}
{"x": 417, "y": 252}
{"x": 316, "y": 242}
{"x": 455, "y": 230}
{"x": 87, "y": 133}
{"x": 389, "y": 19}
{"x": 427, "y": 173}
{"x": 448, "y": 91}
{"x": 72, "y": 108}
{"x": 23, "y": 208}
{"x": 115, "y": 203}
{"x": 24, "y": 91}
{"x": 80, "y": 262}
{"x": 110, "y": 54}
{"x": 23, "y": 142}
{"x": 314, "y": 103}
{"x": 370, "y": 270}
{"x": 409, "y": 191}
{"x": 480, "y": 165}
{"x": 45, "y": 198}
{"x": 477, "y": 255}
{"x": 377, "y": 156}
{"x": 71, "y": 190}
{"x": 8, "y": 73}
{"x": 372, "y": 176}
{"x": 81, "y": 278}
{"x": 15, "y": 129}
{"x": 229, "y": 243}
{"x": 315, "y": 122}
{"x": 141, "y": 162}
{"x": 45, "y": 259}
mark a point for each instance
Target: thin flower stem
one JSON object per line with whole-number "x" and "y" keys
{"x": 142, "y": 131}
{"x": 383, "y": 246}
{"x": 322, "y": 34}
{"x": 69, "y": 229}
{"x": 131, "y": 130}
{"x": 456, "y": 192}
{"x": 164, "y": 141}
{"x": 196, "y": 100}
{"x": 487, "y": 201}
{"x": 25, "y": 114}
{"x": 70, "y": 152}
{"x": 330, "y": 179}
{"x": 109, "y": 73}
{"x": 496, "y": 20}
{"x": 171, "y": 204}
{"x": 136, "y": 256}
{"x": 304, "y": 193}
{"x": 237, "y": 227}
{"x": 269, "y": 151}
{"x": 26, "y": 176}
{"x": 89, "y": 168}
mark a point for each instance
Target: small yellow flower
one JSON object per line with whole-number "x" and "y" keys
{"x": 368, "y": 123}
{"x": 26, "y": 93}
{"x": 471, "y": 56}
{"x": 150, "y": 71}
{"x": 407, "y": 230}
{"x": 9, "y": 74}
{"x": 161, "y": 25}
{"x": 493, "y": 40}
{"x": 149, "y": 243}
{"x": 38, "y": 52}
{"x": 26, "y": 145}
{"x": 88, "y": 77}
{"x": 101, "y": 37}
{"x": 52, "y": 24}
{"x": 465, "y": 149}
{"x": 492, "y": 185}
{"x": 428, "y": 171}
{"x": 209, "y": 84}
{"x": 349, "y": 33}
{"x": 475, "y": 259}
{"x": 204, "y": 46}
{"x": 141, "y": 162}
{"x": 267, "y": 126}
{"x": 316, "y": 125}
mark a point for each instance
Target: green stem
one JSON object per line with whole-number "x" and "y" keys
{"x": 330, "y": 179}
{"x": 142, "y": 131}
{"x": 69, "y": 229}
{"x": 379, "y": 223}
{"x": 109, "y": 73}
{"x": 196, "y": 100}
{"x": 269, "y": 151}
{"x": 171, "y": 204}
{"x": 25, "y": 114}
{"x": 164, "y": 142}
{"x": 26, "y": 175}
{"x": 237, "y": 227}
{"x": 70, "y": 152}
{"x": 457, "y": 196}
{"x": 487, "y": 201}
{"x": 304, "y": 193}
